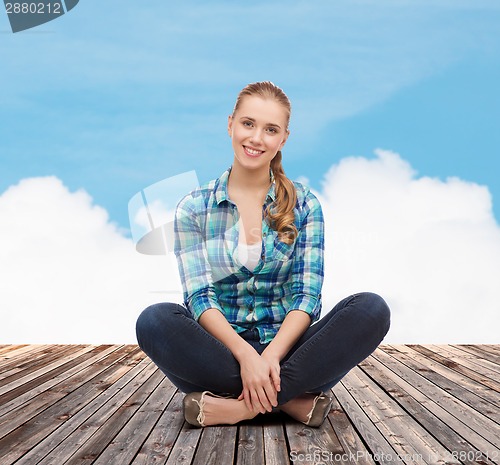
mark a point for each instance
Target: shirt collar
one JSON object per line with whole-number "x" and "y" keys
{"x": 221, "y": 193}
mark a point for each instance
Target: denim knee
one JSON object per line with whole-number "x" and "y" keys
{"x": 145, "y": 323}
{"x": 150, "y": 319}
{"x": 378, "y": 309}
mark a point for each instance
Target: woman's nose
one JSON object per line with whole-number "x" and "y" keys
{"x": 256, "y": 136}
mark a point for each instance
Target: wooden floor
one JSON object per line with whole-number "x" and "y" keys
{"x": 410, "y": 404}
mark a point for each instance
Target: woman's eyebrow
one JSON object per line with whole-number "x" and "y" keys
{"x": 253, "y": 120}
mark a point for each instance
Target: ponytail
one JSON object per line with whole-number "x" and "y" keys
{"x": 280, "y": 213}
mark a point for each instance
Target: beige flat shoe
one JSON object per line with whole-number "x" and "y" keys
{"x": 193, "y": 404}
{"x": 321, "y": 408}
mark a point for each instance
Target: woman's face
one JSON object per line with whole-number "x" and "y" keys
{"x": 258, "y": 130}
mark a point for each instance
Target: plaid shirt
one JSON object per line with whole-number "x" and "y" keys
{"x": 287, "y": 277}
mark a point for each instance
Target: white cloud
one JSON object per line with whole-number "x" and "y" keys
{"x": 67, "y": 274}
{"x": 431, "y": 248}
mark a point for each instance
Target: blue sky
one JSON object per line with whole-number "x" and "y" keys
{"x": 113, "y": 97}
{"x": 395, "y": 124}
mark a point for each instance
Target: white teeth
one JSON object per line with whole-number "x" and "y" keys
{"x": 253, "y": 152}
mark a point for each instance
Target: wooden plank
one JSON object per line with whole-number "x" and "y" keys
{"x": 11, "y": 358}
{"x": 473, "y": 366}
{"x": 349, "y": 439}
{"x": 413, "y": 444}
{"x": 4, "y": 348}
{"x": 493, "y": 347}
{"x": 109, "y": 429}
{"x": 157, "y": 447}
{"x": 25, "y": 384}
{"x": 24, "y": 412}
{"x": 250, "y": 446}
{"x": 129, "y": 440}
{"x": 447, "y": 429}
{"x": 376, "y": 442}
{"x": 125, "y": 412}
{"x": 432, "y": 372}
{"x": 275, "y": 448}
{"x": 85, "y": 360}
{"x": 310, "y": 446}
{"x": 64, "y": 404}
{"x": 28, "y": 362}
{"x": 473, "y": 358}
{"x": 8, "y": 350}
{"x": 54, "y": 447}
{"x": 426, "y": 357}
{"x": 185, "y": 447}
{"x": 477, "y": 430}
{"x": 476, "y": 350}
{"x": 216, "y": 446}
{"x": 27, "y": 367}
{"x": 74, "y": 434}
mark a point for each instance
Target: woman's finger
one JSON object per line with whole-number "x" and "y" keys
{"x": 271, "y": 394}
{"x": 247, "y": 398}
{"x": 256, "y": 404}
{"x": 266, "y": 395}
{"x": 275, "y": 376}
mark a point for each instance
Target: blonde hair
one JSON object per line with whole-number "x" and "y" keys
{"x": 280, "y": 213}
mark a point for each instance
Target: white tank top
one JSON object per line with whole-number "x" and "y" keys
{"x": 249, "y": 254}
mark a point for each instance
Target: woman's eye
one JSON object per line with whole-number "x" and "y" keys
{"x": 272, "y": 130}
{"x": 248, "y": 124}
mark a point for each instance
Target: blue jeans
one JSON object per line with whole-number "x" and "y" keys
{"x": 194, "y": 360}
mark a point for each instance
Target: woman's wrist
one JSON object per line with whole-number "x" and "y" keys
{"x": 272, "y": 352}
{"x": 213, "y": 321}
{"x": 294, "y": 325}
{"x": 243, "y": 350}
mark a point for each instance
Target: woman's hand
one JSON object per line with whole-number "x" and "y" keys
{"x": 257, "y": 373}
{"x": 274, "y": 361}
{"x": 260, "y": 379}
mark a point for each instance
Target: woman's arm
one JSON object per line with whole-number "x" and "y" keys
{"x": 308, "y": 261}
{"x": 306, "y": 281}
{"x": 293, "y": 326}
{"x": 259, "y": 391}
{"x": 190, "y": 248}
{"x": 216, "y": 324}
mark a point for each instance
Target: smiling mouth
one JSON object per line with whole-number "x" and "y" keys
{"x": 252, "y": 152}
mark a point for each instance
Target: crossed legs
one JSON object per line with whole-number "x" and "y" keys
{"x": 196, "y": 361}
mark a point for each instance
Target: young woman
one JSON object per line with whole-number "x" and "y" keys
{"x": 250, "y": 248}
